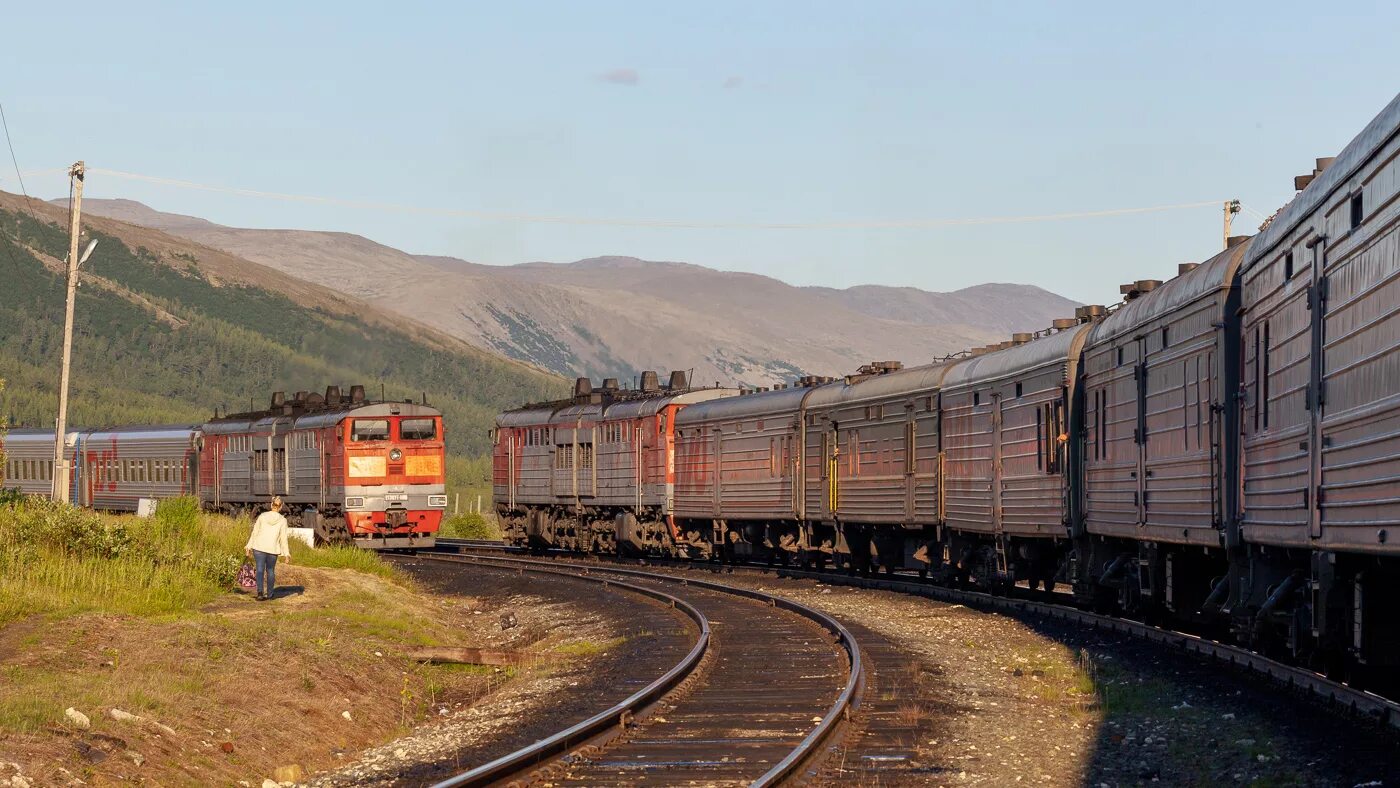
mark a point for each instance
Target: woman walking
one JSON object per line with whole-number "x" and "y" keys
{"x": 265, "y": 544}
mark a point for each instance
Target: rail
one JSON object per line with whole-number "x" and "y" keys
{"x": 577, "y": 735}
{"x": 1357, "y": 701}
{"x": 567, "y": 740}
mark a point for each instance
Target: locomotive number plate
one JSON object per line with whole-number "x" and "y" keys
{"x": 396, "y": 497}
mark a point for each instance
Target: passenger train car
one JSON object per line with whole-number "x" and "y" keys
{"x": 368, "y": 473}
{"x": 1222, "y": 448}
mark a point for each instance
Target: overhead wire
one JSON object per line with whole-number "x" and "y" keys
{"x": 652, "y": 223}
{"x": 10, "y": 143}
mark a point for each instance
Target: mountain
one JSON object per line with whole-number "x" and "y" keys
{"x": 613, "y": 316}
{"x": 166, "y": 330}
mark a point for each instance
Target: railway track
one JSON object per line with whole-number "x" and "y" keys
{"x": 756, "y": 701}
{"x": 1382, "y": 710}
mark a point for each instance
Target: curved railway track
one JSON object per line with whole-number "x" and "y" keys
{"x": 755, "y": 701}
{"x": 1382, "y": 710}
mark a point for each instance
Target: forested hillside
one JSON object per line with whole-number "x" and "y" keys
{"x": 159, "y": 339}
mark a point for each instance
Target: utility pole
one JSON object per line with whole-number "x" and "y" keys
{"x": 1232, "y": 207}
{"x": 61, "y": 468}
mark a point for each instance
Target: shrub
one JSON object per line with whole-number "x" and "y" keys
{"x": 469, "y": 525}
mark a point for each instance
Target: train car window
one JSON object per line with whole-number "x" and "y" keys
{"x": 369, "y": 430}
{"x": 1120, "y": 355}
{"x": 976, "y": 398}
{"x": 1018, "y": 390}
{"x": 418, "y": 429}
{"x": 1164, "y": 338}
{"x": 1356, "y": 210}
{"x": 1288, "y": 266}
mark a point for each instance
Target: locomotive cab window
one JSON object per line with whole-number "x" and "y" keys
{"x": 369, "y": 430}
{"x": 418, "y": 429}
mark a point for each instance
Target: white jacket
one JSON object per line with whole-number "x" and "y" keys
{"x": 269, "y": 535}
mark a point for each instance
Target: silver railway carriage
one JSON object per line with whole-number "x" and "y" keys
{"x": 1158, "y": 437}
{"x": 860, "y": 469}
{"x": 737, "y": 470}
{"x": 112, "y": 468}
{"x": 1006, "y": 465}
{"x": 1321, "y": 383}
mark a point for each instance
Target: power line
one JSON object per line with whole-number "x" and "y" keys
{"x": 658, "y": 223}
{"x": 11, "y": 144}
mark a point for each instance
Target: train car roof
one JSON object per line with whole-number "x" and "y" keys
{"x": 638, "y": 408}
{"x": 165, "y": 431}
{"x": 316, "y": 419}
{"x": 762, "y": 403}
{"x": 1172, "y": 295}
{"x": 526, "y": 417}
{"x": 1361, "y": 149}
{"x": 631, "y": 407}
{"x": 904, "y": 382}
{"x": 37, "y": 435}
{"x": 1000, "y": 364}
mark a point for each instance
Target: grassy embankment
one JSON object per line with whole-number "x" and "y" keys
{"x": 100, "y": 612}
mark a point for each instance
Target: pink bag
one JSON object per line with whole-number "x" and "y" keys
{"x": 247, "y": 580}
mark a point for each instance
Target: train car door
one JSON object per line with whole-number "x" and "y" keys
{"x": 1140, "y": 430}
{"x": 1317, "y": 390}
{"x": 910, "y": 462}
{"x": 588, "y": 467}
{"x": 717, "y": 471}
{"x": 997, "y": 471}
{"x": 831, "y": 471}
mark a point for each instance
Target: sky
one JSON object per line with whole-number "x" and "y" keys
{"x": 467, "y": 124}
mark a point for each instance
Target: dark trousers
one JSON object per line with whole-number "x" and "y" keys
{"x": 265, "y": 566}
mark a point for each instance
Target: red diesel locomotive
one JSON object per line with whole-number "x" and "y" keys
{"x": 354, "y": 470}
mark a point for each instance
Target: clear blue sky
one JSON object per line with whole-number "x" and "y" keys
{"x": 726, "y": 112}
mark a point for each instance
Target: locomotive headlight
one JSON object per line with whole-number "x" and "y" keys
{"x": 395, "y": 455}
{"x": 438, "y": 501}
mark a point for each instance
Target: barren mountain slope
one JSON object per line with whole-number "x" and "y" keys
{"x": 617, "y": 315}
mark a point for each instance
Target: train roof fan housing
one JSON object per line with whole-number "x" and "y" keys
{"x": 678, "y": 381}
{"x": 1089, "y": 313}
{"x": 650, "y": 383}
{"x": 357, "y": 394}
{"x": 1132, "y": 290}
